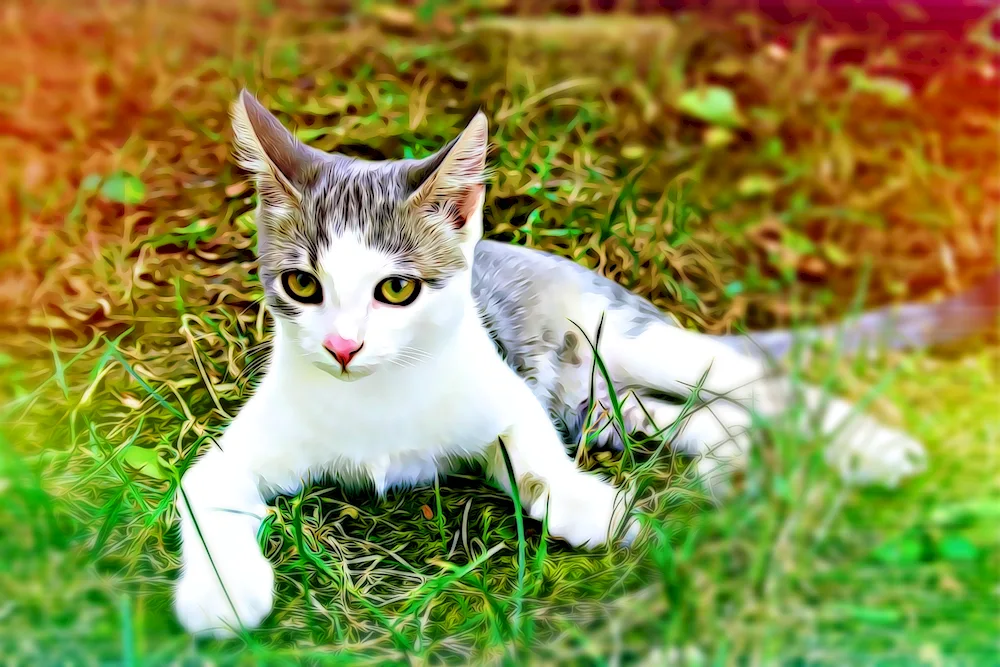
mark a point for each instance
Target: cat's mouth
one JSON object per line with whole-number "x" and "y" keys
{"x": 350, "y": 374}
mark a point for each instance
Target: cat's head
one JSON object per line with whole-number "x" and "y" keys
{"x": 365, "y": 265}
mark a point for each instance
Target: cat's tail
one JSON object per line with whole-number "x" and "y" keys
{"x": 904, "y": 327}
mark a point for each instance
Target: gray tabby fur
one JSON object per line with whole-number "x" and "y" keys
{"x": 521, "y": 293}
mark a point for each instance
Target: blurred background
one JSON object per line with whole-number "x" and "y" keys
{"x": 742, "y": 164}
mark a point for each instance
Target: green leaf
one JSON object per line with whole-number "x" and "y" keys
{"x": 715, "y": 104}
{"x": 797, "y": 242}
{"x": 123, "y": 188}
{"x": 906, "y": 550}
{"x": 733, "y": 288}
{"x": 427, "y": 9}
{"x": 956, "y": 547}
{"x": 146, "y": 461}
{"x": 893, "y": 92}
{"x": 872, "y": 615}
{"x": 199, "y": 230}
{"x": 688, "y": 296}
{"x": 799, "y": 203}
{"x": 288, "y": 56}
{"x": 781, "y": 488}
{"x": 837, "y": 255}
{"x": 773, "y": 149}
{"x": 755, "y": 185}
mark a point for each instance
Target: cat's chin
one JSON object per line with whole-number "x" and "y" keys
{"x": 350, "y": 375}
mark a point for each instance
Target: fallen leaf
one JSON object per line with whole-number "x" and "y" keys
{"x": 755, "y": 185}
{"x": 236, "y": 189}
{"x": 146, "y": 461}
{"x": 394, "y": 18}
{"x": 717, "y": 137}
{"x": 729, "y": 67}
{"x": 766, "y": 235}
{"x": 950, "y": 584}
{"x": 714, "y": 104}
{"x": 633, "y": 151}
{"x": 777, "y": 51}
{"x": 812, "y": 267}
{"x": 130, "y": 401}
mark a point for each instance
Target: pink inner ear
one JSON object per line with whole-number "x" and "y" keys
{"x": 470, "y": 199}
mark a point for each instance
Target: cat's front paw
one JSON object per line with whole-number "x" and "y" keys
{"x": 203, "y": 607}
{"x": 587, "y": 512}
{"x": 875, "y": 454}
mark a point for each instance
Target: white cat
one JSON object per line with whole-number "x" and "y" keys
{"x": 402, "y": 344}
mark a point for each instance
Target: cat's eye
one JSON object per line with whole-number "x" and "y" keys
{"x": 302, "y": 286}
{"x": 397, "y": 291}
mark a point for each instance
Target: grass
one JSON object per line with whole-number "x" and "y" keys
{"x": 133, "y": 328}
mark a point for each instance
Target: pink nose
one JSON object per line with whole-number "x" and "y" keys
{"x": 342, "y": 349}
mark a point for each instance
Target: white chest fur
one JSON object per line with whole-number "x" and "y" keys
{"x": 394, "y": 428}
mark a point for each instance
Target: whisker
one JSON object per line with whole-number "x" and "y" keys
{"x": 414, "y": 352}
{"x": 253, "y": 348}
{"x": 253, "y": 367}
{"x": 259, "y": 347}
{"x": 409, "y": 357}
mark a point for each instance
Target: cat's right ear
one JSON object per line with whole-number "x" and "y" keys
{"x": 449, "y": 186}
{"x": 280, "y": 163}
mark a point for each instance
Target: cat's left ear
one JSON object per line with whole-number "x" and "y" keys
{"x": 448, "y": 187}
{"x": 280, "y": 163}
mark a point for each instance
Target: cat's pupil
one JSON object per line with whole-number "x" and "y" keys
{"x": 396, "y": 285}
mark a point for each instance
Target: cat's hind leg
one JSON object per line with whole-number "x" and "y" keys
{"x": 715, "y": 434}
{"x": 667, "y": 359}
{"x": 672, "y": 360}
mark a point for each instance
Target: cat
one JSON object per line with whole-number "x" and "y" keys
{"x": 404, "y": 343}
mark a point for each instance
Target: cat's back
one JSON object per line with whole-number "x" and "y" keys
{"x": 534, "y": 305}
{"x": 525, "y": 297}
{"x": 523, "y": 293}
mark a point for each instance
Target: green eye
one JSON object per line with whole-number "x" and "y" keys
{"x": 302, "y": 286}
{"x": 397, "y": 291}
